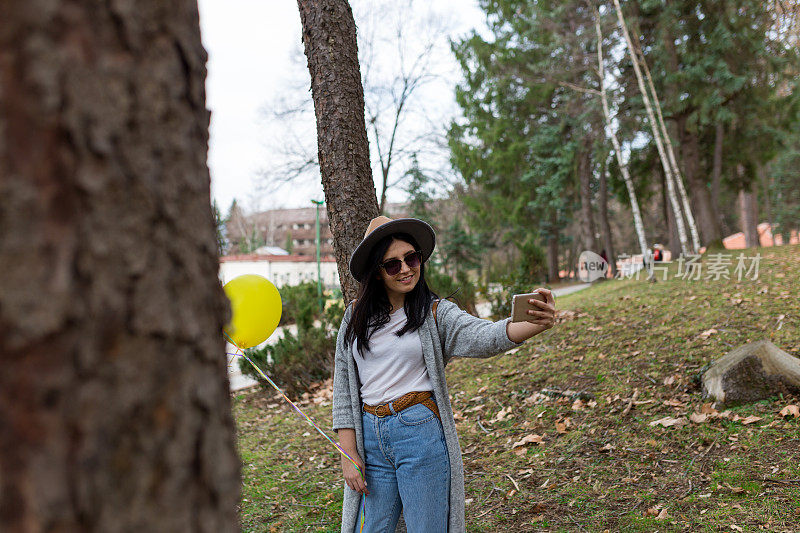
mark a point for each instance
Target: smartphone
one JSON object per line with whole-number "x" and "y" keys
{"x": 520, "y": 306}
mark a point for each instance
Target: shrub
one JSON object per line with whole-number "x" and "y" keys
{"x": 295, "y": 362}
{"x": 298, "y": 300}
{"x": 527, "y": 274}
{"x": 460, "y": 286}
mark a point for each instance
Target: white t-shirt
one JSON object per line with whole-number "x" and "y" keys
{"x": 393, "y": 366}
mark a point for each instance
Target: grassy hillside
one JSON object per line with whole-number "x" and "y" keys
{"x": 558, "y": 436}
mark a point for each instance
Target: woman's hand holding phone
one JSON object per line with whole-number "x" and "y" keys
{"x": 532, "y": 313}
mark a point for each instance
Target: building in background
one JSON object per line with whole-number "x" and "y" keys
{"x": 292, "y": 230}
{"x": 280, "y": 269}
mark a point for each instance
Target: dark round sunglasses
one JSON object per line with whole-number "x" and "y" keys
{"x": 393, "y": 266}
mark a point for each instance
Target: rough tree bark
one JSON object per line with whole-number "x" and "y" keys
{"x": 748, "y": 212}
{"x": 114, "y": 403}
{"x": 763, "y": 180}
{"x": 673, "y": 243}
{"x": 701, "y": 195}
{"x": 716, "y": 173}
{"x": 329, "y": 37}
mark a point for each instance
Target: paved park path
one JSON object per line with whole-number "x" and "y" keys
{"x": 241, "y": 381}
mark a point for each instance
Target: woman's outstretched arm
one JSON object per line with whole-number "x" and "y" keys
{"x": 542, "y": 318}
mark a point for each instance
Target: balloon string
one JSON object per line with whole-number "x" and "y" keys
{"x": 262, "y": 374}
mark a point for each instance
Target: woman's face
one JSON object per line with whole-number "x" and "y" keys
{"x": 405, "y": 280}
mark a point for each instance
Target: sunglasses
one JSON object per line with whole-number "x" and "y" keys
{"x": 393, "y": 266}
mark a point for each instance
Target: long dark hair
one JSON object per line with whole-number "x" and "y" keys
{"x": 371, "y": 308}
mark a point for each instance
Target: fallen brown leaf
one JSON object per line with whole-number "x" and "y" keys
{"x": 652, "y": 511}
{"x": 750, "y": 419}
{"x": 707, "y": 409}
{"x": 668, "y": 421}
{"x": 707, "y": 333}
{"x": 532, "y": 438}
{"x": 698, "y": 418}
{"x": 790, "y": 410}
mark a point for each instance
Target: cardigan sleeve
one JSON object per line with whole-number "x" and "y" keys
{"x": 342, "y": 408}
{"x": 464, "y": 335}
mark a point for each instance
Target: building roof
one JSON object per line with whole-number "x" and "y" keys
{"x": 270, "y": 250}
{"x": 277, "y": 258}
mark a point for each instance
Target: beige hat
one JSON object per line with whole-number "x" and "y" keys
{"x": 381, "y": 226}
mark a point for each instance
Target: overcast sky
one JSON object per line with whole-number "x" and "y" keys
{"x": 250, "y": 45}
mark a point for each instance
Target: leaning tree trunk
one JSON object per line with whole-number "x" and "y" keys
{"x": 585, "y": 190}
{"x": 114, "y": 402}
{"x": 605, "y": 226}
{"x": 656, "y": 136}
{"x": 626, "y": 177}
{"x": 687, "y": 209}
{"x": 329, "y": 37}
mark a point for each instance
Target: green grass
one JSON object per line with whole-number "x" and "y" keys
{"x": 609, "y": 467}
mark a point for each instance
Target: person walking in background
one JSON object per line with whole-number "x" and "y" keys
{"x": 391, "y": 407}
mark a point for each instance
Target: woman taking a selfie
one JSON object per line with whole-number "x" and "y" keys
{"x": 391, "y": 407}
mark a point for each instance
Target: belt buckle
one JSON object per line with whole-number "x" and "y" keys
{"x": 378, "y": 409}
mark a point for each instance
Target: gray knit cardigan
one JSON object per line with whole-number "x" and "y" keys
{"x": 458, "y": 334}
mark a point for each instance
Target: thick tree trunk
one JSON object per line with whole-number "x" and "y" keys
{"x": 701, "y": 196}
{"x": 748, "y": 209}
{"x": 673, "y": 243}
{"x": 716, "y": 173}
{"x": 608, "y": 242}
{"x": 114, "y": 402}
{"x": 329, "y": 37}
{"x": 585, "y": 184}
{"x": 764, "y": 181}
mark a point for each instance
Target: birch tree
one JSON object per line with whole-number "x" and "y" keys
{"x": 687, "y": 209}
{"x": 609, "y": 129}
{"x": 673, "y": 198}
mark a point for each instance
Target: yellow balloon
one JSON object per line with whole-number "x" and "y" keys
{"x": 256, "y": 309}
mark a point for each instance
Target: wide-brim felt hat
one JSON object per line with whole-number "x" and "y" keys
{"x": 380, "y": 227}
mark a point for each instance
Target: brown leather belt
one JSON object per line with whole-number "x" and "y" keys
{"x": 407, "y": 400}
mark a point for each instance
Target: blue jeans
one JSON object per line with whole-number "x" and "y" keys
{"x": 407, "y": 467}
